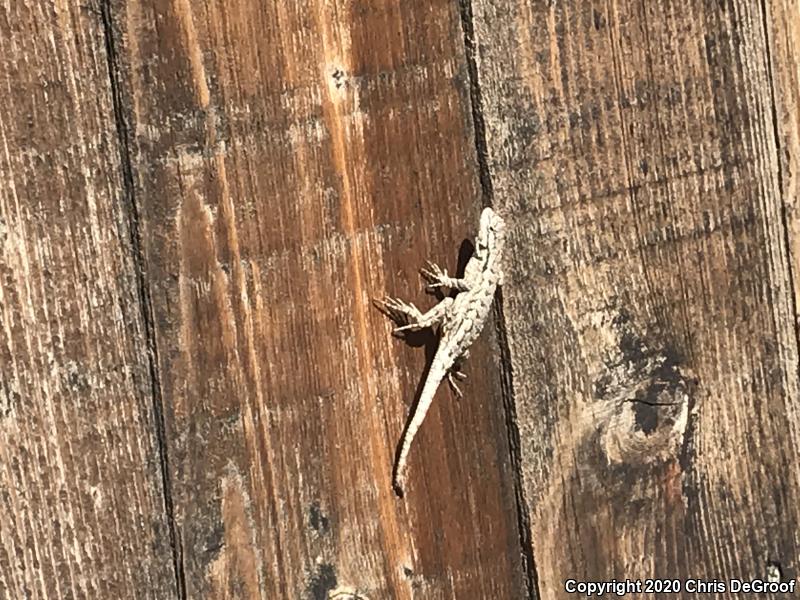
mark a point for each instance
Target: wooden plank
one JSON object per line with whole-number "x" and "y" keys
{"x": 291, "y": 161}
{"x": 81, "y": 505}
{"x": 650, "y": 314}
{"x": 783, "y": 34}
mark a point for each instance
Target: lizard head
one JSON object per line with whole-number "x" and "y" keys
{"x": 491, "y": 234}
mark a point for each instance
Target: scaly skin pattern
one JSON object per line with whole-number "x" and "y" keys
{"x": 459, "y": 319}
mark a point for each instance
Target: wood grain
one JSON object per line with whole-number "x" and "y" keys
{"x": 292, "y": 160}
{"x": 782, "y": 29}
{"x": 200, "y": 199}
{"x": 650, "y": 307}
{"x": 81, "y": 505}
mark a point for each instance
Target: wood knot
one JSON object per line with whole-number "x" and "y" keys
{"x": 643, "y": 398}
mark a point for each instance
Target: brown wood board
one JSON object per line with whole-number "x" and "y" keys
{"x": 291, "y": 161}
{"x": 81, "y": 503}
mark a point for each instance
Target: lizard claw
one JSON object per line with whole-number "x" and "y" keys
{"x": 404, "y": 314}
{"x": 436, "y": 276}
{"x": 396, "y": 309}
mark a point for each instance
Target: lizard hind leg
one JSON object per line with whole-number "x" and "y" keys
{"x": 455, "y": 372}
{"x": 451, "y": 377}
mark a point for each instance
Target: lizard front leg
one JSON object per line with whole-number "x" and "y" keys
{"x": 414, "y": 318}
{"x": 438, "y": 278}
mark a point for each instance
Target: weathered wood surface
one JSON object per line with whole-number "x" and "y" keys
{"x": 81, "y": 505}
{"x": 783, "y": 37}
{"x": 199, "y": 199}
{"x": 651, "y": 318}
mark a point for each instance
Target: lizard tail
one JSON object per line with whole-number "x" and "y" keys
{"x": 435, "y": 377}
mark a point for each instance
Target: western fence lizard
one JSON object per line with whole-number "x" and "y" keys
{"x": 459, "y": 319}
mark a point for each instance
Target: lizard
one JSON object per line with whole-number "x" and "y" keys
{"x": 459, "y": 320}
